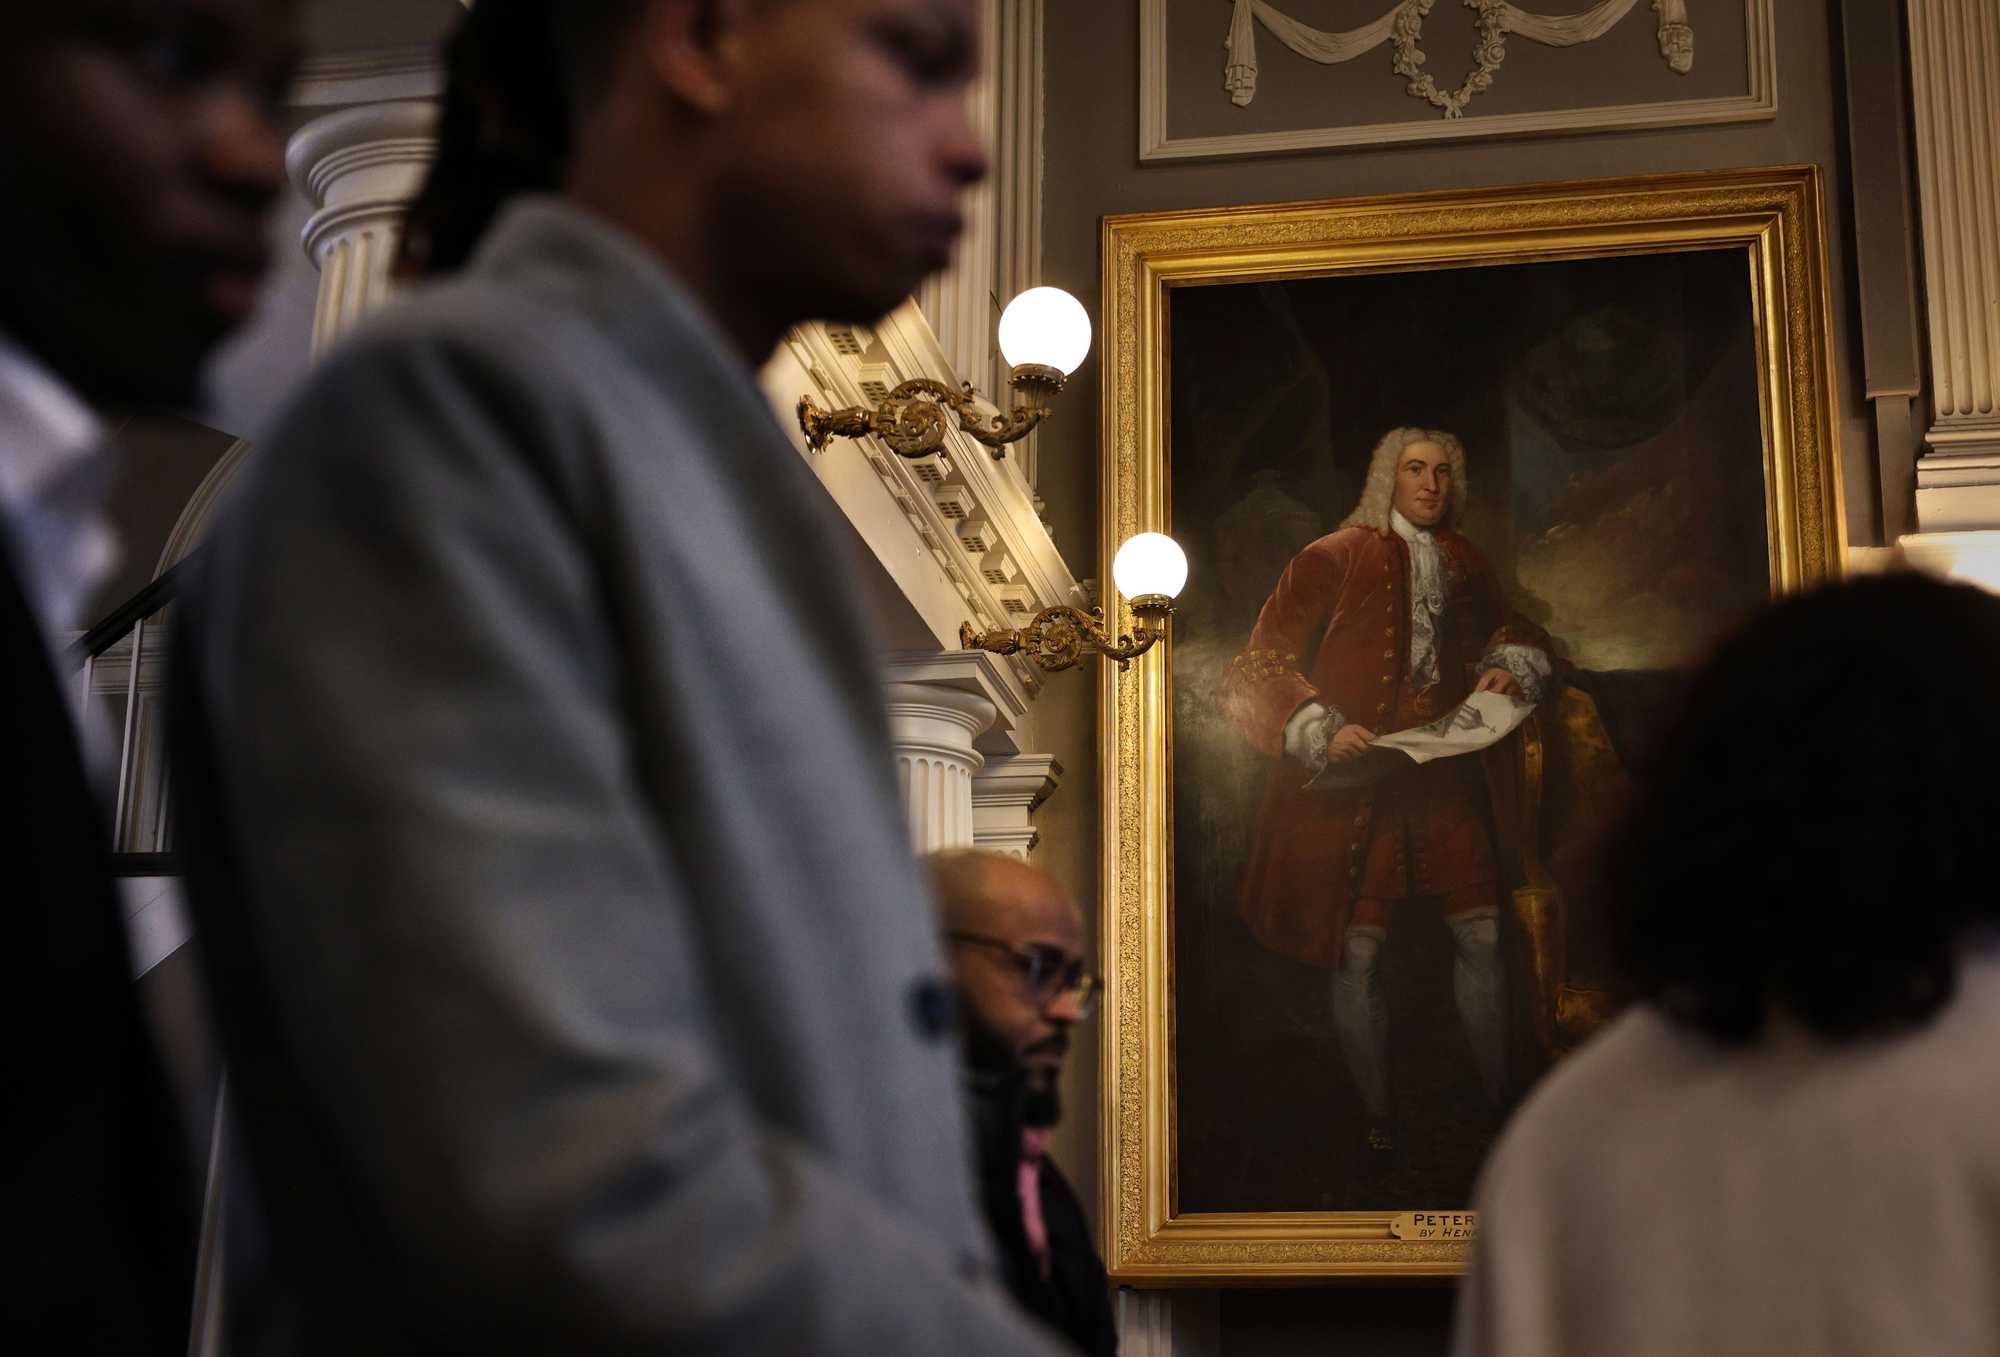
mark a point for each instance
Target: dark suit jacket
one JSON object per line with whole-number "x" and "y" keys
{"x": 92, "y": 1166}
{"x": 1075, "y": 1298}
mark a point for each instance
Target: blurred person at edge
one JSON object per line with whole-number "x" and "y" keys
{"x": 1015, "y": 940}
{"x": 579, "y": 983}
{"x": 138, "y": 153}
{"x": 1788, "y": 1144}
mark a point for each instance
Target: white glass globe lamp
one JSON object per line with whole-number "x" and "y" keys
{"x": 1045, "y": 327}
{"x": 1150, "y": 570}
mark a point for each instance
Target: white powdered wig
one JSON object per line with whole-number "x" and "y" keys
{"x": 1378, "y": 493}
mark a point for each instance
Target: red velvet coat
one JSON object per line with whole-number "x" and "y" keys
{"x": 1336, "y": 630}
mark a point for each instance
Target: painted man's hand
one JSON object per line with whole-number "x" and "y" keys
{"x": 1497, "y": 680}
{"x": 1349, "y": 742}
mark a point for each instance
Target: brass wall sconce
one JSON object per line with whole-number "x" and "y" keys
{"x": 1044, "y": 334}
{"x": 1150, "y": 570}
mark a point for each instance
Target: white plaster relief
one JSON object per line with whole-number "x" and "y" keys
{"x": 1759, "y": 100}
{"x": 1402, "y": 28}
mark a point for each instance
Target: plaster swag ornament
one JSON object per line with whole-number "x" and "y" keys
{"x": 1403, "y": 29}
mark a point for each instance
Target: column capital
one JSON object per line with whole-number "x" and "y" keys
{"x": 932, "y": 728}
{"x": 938, "y": 720}
{"x": 359, "y": 168}
{"x": 975, "y": 672}
{"x": 360, "y": 164}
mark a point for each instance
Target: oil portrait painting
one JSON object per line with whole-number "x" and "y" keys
{"x": 1456, "y": 515}
{"x": 1584, "y": 439}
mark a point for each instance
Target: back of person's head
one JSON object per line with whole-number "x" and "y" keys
{"x": 139, "y": 148}
{"x": 811, "y": 152}
{"x": 514, "y": 69}
{"x": 959, "y": 884}
{"x": 1809, "y": 832}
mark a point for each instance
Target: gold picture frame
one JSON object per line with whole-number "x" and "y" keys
{"x": 1773, "y": 216}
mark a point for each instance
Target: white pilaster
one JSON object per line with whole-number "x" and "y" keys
{"x": 359, "y": 168}
{"x": 958, "y": 302}
{"x": 1000, "y": 252}
{"x": 1169, "y": 1323}
{"x": 1955, "y": 90}
{"x": 932, "y": 728}
{"x": 1005, "y": 794}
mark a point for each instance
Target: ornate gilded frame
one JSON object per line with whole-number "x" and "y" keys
{"x": 1774, "y": 216}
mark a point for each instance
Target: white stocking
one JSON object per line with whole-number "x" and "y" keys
{"x": 1475, "y": 983}
{"x": 1361, "y": 1019}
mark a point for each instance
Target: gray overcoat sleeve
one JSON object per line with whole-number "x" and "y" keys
{"x": 480, "y": 945}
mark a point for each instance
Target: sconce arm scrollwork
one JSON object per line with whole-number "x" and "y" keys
{"x": 1060, "y": 636}
{"x": 913, "y": 418}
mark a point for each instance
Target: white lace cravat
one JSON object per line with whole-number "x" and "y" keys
{"x": 1426, "y": 599}
{"x": 1314, "y": 723}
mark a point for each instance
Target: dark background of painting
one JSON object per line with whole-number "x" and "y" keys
{"x": 1616, "y": 483}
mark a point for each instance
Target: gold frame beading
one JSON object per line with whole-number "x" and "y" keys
{"x": 1775, "y": 216}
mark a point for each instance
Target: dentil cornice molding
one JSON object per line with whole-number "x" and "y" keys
{"x": 963, "y": 540}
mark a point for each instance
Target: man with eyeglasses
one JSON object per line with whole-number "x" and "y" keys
{"x": 1015, "y": 940}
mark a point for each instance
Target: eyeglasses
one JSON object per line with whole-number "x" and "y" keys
{"x": 1048, "y": 973}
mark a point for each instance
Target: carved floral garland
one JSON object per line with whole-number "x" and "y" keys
{"x": 1488, "y": 53}
{"x": 1403, "y": 28}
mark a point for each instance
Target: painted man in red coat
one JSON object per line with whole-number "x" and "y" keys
{"x": 1388, "y": 623}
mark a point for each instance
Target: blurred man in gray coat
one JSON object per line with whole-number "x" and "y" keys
{"x": 580, "y": 984}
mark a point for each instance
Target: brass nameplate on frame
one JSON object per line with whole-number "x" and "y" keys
{"x": 1459, "y": 1225}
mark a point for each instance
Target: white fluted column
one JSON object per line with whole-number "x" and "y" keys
{"x": 1955, "y": 93}
{"x": 933, "y": 728}
{"x": 359, "y": 168}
